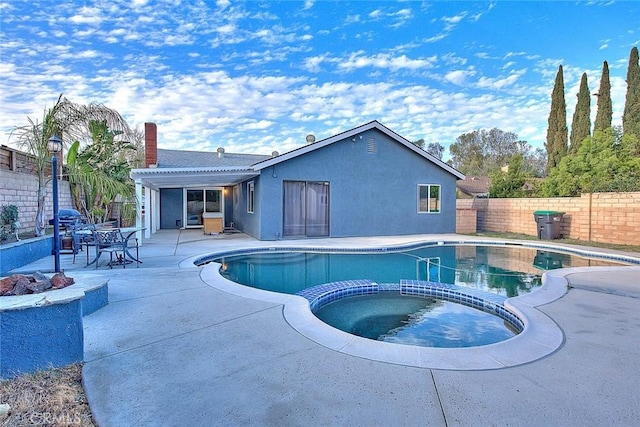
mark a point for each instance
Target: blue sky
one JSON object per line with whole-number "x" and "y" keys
{"x": 259, "y": 76}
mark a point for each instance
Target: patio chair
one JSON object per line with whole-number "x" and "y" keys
{"x": 131, "y": 242}
{"x": 111, "y": 242}
{"x": 82, "y": 235}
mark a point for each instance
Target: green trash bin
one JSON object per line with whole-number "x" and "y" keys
{"x": 549, "y": 224}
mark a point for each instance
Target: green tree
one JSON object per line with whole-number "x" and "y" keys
{"x": 33, "y": 138}
{"x": 557, "y": 132}
{"x": 435, "y": 149}
{"x": 631, "y": 115}
{"x": 99, "y": 172}
{"x": 605, "y": 109}
{"x": 482, "y": 151}
{"x": 419, "y": 143}
{"x": 70, "y": 122}
{"x": 511, "y": 183}
{"x": 581, "y": 124}
{"x": 604, "y": 162}
{"x": 535, "y": 162}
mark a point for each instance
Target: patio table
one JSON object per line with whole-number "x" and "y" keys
{"x": 120, "y": 242}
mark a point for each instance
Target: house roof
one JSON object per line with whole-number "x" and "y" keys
{"x": 180, "y": 168}
{"x": 475, "y": 185}
{"x": 354, "y": 133}
{"x": 184, "y": 168}
{"x": 206, "y": 159}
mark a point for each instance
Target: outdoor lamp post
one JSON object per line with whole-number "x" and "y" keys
{"x": 54, "y": 144}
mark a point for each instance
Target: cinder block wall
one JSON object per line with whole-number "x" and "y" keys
{"x": 597, "y": 217}
{"x": 466, "y": 221}
{"x": 21, "y": 189}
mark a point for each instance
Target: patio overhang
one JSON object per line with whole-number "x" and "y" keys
{"x": 156, "y": 178}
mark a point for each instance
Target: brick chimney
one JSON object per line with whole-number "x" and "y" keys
{"x": 150, "y": 145}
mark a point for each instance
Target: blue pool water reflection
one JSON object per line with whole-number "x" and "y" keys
{"x": 426, "y": 322}
{"x": 508, "y": 271}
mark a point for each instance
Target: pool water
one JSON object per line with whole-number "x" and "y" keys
{"x": 503, "y": 270}
{"x": 426, "y": 322}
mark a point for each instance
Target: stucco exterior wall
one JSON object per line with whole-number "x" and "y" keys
{"x": 370, "y": 193}
{"x": 597, "y": 217}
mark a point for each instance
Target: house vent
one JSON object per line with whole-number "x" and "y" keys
{"x": 220, "y": 152}
{"x": 274, "y": 154}
{"x": 310, "y": 139}
{"x": 371, "y": 145}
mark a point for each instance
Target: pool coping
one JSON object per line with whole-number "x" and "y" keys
{"x": 541, "y": 335}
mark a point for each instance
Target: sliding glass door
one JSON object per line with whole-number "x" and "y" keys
{"x": 306, "y": 209}
{"x": 199, "y": 202}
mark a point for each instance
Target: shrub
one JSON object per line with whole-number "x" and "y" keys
{"x": 8, "y": 220}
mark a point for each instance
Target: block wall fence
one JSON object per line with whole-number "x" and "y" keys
{"x": 596, "y": 217}
{"x": 21, "y": 189}
{"x": 19, "y": 186}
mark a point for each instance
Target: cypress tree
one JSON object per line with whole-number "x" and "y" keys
{"x": 581, "y": 124}
{"x": 631, "y": 116}
{"x": 605, "y": 110}
{"x": 557, "y": 133}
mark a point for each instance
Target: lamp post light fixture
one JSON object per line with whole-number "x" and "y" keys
{"x": 54, "y": 144}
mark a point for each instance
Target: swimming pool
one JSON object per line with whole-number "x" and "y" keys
{"x": 539, "y": 336}
{"x": 504, "y": 270}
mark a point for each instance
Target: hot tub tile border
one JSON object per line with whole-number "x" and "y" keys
{"x": 321, "y": 295}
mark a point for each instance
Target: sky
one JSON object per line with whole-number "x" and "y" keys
{"x": 258, "y": 76}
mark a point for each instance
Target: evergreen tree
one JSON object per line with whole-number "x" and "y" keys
{"x": 631, "y": 116}
{"x": 604, "y": 163}
{"x": 605, "y": 110}
{"x": 557, "y": 132}
{"x": 581, "y": 124}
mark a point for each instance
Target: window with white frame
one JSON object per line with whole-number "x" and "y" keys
{"x": 250, "y": 193}
{"x": 428, "y": 198}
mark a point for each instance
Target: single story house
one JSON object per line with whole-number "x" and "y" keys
{"x": 366, "y": 181}
{"x": 474, "y": 187}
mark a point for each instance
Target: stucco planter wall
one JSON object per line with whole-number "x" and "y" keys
{"x": 16, "y": 254}
{"x": 45, "y": 330}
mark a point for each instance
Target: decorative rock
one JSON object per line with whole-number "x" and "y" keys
{"x": 6, "y": 284}
{"x": 39, "y": 277}
{"x": 59, "y": 281}
{"x": 39, "y": 286}
{"x": 19, "y": 284}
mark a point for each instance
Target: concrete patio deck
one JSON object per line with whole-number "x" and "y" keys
{"x": 170, "y": 349}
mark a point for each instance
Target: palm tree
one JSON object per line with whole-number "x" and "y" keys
{"x": 33, "y": 138}
{"x": 69, "y": 121}
{"x": 99, "y": 172}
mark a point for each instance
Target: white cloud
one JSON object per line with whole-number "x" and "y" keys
{"x": 223, "y": 4}
{"x": 452, "y": 20}
{"x": 457, "y": 77}
{"x": 87, "y": 15}
{"x": 262, "y": 124}
{"x": 500, "y": 83}
{"x": 385, "y": 61}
